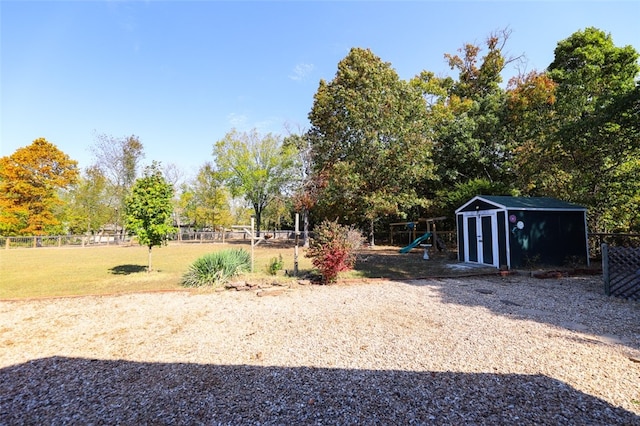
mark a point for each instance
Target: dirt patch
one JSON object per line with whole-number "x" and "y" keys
{"x": 388, "y": 262}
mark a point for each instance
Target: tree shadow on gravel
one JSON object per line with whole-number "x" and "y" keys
{"x": 475, "y": 285}
{"x": 575, "y": 303}
{"x": 60, "y": 390}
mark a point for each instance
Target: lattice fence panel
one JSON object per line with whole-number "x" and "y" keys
{"x": 621, "y": 271}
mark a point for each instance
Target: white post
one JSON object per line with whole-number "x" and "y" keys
{"x": 252, "y": 240}
{"x": 295, "y": 252}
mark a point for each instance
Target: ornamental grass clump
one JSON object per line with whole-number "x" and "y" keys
{"x": 215, "y": 269}
{"x": 275, "y": 264}
{"x": 333, "y": 249}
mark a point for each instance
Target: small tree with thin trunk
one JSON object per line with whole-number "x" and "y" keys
{"x": 149, "y": 209}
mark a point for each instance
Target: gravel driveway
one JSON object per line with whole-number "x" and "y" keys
{"x": 513, "y": 350}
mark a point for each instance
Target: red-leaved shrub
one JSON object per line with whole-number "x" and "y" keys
{"x": 333, "y": 249}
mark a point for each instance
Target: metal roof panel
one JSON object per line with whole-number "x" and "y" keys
{"x": 531, "y": 203}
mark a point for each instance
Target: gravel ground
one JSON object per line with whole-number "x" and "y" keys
{"x": 513, "y": 350}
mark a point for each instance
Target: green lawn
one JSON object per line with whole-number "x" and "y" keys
{"x": 47, "y": 272}
{"x": 77, "y": 271}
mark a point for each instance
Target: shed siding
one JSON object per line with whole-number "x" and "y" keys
{"x": 502, "y": 239}
{"x": 547, "y": 238}
{"x": 527, "y": 231}
{"x": 460, "y": 238}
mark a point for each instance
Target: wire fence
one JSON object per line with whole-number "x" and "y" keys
{"x": 62, "y": 241}
{"x": 223, "y": 236}
{"x": 116, "y": 239}
{"x": 595, "y": 239}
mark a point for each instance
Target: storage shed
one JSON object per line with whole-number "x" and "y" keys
{"x": 517, "y": 232}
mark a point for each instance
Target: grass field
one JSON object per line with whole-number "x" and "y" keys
{"x": 48, "y": 272}
{"x": 52, "y": 272}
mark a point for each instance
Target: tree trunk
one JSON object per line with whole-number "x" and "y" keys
{"x": 149, "y": 262}
{"x": 179, "y": 226}
{"x": 372, "y": 241}
{"x": 258, "y": 212}
{"x": 305, "y": 227}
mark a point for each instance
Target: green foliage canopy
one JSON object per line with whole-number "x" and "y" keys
{"x": 595, "y": 139}
{"x": 369, "y": 140}
{"x": 205, "y": 201}
{"x": 88, "y": 203}
{"x": 466, "y": 115}
{"x": 260, "y": 168}
{"x": 149, "y": 209}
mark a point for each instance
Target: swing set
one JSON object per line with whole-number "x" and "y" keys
{"x": 411, "y": 230}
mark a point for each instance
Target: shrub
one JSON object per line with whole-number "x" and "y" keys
{"x": 275, "y": 264}
{"x": 217, "y": 268}
{"x": 333, "y": 249}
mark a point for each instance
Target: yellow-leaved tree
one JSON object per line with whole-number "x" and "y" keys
{"x": 30, "y": 180}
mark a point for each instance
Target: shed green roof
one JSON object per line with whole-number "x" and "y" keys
{"x": 530, "y": 203}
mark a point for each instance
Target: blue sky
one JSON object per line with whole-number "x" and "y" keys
{"x": 181, "y": 74}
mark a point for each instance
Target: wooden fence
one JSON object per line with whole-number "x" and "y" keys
{"x": 621, "y": 271}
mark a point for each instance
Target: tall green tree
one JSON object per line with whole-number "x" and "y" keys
{"x": 207, "y": 200}
{"x": 591, "y": 71}
{"x": 30, "y": 181}
{"x": 119, "y": 161}
{"x": 87, "y": 203}
{"x": 369, "y": 141}
{"x": 149, "y": 208}
{"x": 596, "y": 138}
{"x": 467, "y": 114}
{"x": 259, "y": 168}
{"x": 530, "y": 114}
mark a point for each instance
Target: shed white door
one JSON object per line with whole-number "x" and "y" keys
{"x": 481, "y": 240}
